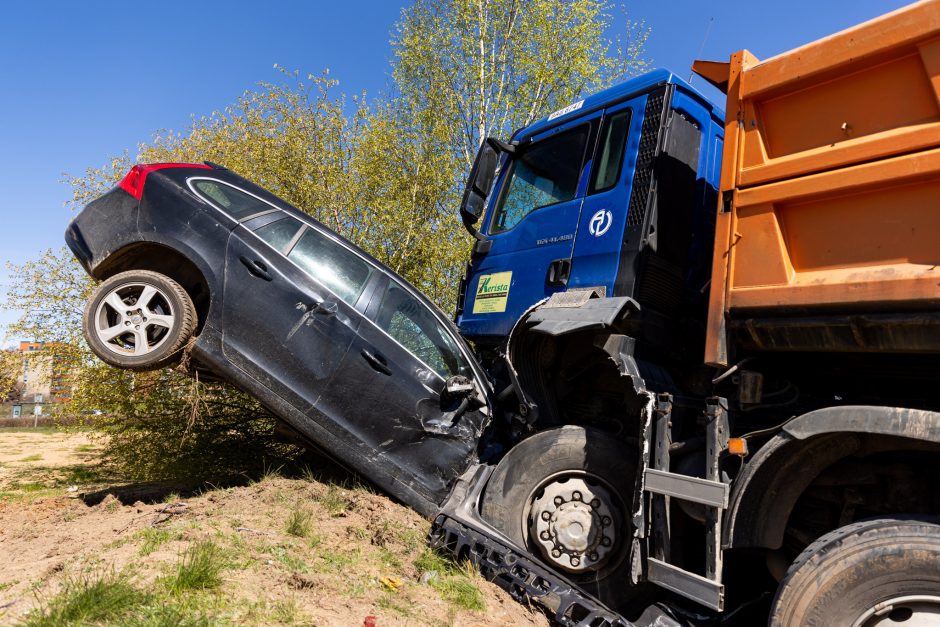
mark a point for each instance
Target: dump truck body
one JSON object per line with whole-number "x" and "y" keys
{"x": 830, "y": 187}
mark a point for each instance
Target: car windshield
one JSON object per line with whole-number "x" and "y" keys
{"x": 543, "y": 174}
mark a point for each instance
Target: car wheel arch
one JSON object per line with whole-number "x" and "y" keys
{"x": 178, "y": 262}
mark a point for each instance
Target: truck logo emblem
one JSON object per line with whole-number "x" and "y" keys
{"x": 600, "y": 222}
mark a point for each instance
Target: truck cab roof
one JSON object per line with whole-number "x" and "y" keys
{"x": 621, "y": 91}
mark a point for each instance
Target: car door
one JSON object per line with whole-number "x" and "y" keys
{"x": 390, "y": 389}
{"x": 288, "y": 313}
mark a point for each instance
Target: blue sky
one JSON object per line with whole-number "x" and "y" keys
{"x": 82, "y": 81}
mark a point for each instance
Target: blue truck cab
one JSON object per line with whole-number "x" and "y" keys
{"x": 615, "y": 193}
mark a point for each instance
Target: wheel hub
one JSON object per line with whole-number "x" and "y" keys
{"x": 913, "y": 610}
{"x": 573, "y": 524}
{"x": 134, "y": 319}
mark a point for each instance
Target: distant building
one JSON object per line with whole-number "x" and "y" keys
{"x": 41, "y": 376}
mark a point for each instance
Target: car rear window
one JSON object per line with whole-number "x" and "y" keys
{"x": 279, "y": 233}
{"x": 333, "y": 265}
{"x": 235, "y": 203}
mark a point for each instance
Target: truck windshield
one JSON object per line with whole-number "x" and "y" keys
{"x": 542, "y": 174}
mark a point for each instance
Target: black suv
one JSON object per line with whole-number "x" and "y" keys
{"x": 196, "y": 258}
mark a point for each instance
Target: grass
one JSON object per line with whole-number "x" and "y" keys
{"x": 153, "y": 539}
{"x": 390, "y": 603}
{"x": 298, "y": 522}
{"x": 453, "y": 583}
{"x": 86, "y": 600}
{"x": 286, "y": 557}
{"x": 32, "y": 458}
{"x": 200, "y": 568}
{"x": 288, "y": 612}
{"x": 335, "y": 501}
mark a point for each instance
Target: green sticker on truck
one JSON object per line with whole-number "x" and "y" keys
{"x": 492, "y": 293}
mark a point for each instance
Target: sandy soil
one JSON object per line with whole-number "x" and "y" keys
{"x": 360, "y": 554}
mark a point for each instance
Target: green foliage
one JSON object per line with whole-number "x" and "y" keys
{"x": 474, "y": 69}
{"x": 387, "y": 175}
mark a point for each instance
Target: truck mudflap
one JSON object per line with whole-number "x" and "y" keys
{"x": 459, "y": 530}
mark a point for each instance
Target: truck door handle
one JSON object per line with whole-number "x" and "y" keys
{"x": 256, "y": 267}
{"x": 376, "y": 361}
{"x": 559, "y": 271}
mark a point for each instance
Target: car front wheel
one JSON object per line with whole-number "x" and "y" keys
{"x": 139, "y": 320}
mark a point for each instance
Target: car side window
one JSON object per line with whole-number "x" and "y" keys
{"x": 336, "y": 267}
{"x": 543, "y": 174}
{"x": 411, "y": 324}
{"x": 279, "y": 233}
{"x": 235, "y": 203}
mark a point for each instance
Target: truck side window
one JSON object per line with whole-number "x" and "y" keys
{"x": 607, "y": 168}
{"x": 540, "y": 175}
{"x": 334, "y": 266}
{"x": 413, "y": 326}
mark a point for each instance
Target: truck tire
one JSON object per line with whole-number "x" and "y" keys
{"x": 883, "y": 571}
{"x": 139, "y": 320}
{"x": 565, "y": 495}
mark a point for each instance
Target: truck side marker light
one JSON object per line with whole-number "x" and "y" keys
{"x": 737, "y": 446}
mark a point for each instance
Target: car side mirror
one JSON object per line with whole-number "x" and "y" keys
{"x": 458, "y": 386}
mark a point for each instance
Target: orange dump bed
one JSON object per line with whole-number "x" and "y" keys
{"x": 828, "y": 231}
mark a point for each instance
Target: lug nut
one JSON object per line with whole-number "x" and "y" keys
{"x": 559, "y": 500}
{"x": 545, "y": 535}
{"x": 605, "y": 541}
{"x": 127, "y": 323}
{"x": 596, "y": 503}
{"x": 575, "y": 561}
{"x": 546, "y": 516}
{"x": 136, "y": 326}
{"x": 576, "y": 495}
{"x": 593, "y": 557}
{"x": 556, "y": 553}
{"x": 606, "y": 521}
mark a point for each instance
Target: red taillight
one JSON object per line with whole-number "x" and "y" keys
{"x": 133, "y": 182}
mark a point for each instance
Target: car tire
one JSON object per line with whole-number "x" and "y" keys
{"x": 560, "y": 464}
{"x": 124, "y": 333}
{"x": 883, "y": 571}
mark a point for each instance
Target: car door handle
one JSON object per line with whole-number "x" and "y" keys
{"x": 326, "y": 308}
{"x": 376, "y": 361}
{"x": 256, "y": 267}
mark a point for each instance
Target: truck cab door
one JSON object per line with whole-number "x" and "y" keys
{"x": 604, "y": 214}
{"x": 531, "y": 227}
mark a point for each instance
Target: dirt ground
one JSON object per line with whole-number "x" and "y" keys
{"x": 275, "y": 551}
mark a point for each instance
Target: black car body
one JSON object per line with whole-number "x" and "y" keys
{"x": 340, "y": 348}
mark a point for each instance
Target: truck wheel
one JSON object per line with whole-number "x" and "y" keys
{"x": 875, "y": 572}
{"x": 139, "y": 320}
{"x": 564, "y": 494}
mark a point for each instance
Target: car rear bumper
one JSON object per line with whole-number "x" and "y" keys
{"x": 102, "y": 227}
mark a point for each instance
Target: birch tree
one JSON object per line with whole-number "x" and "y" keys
{"x": 488, "y": 67}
